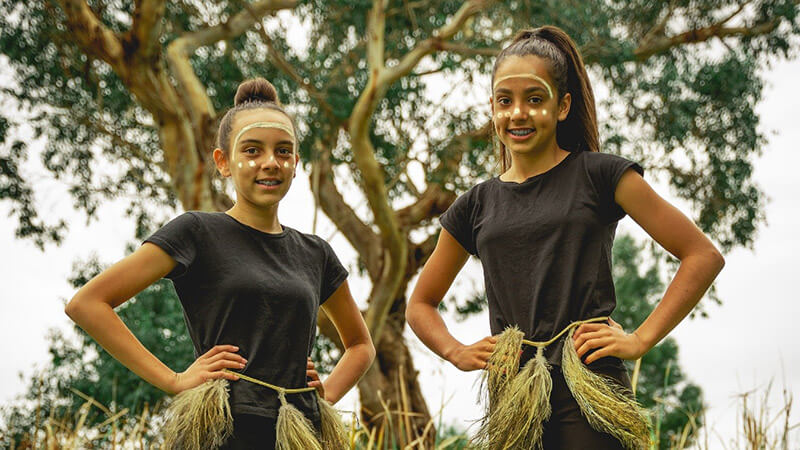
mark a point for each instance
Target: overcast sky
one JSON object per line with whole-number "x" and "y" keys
{"x": 746, "y": 343}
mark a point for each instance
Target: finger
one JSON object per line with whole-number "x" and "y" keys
{"x": 594, "y": 343}
{"x": 312, "y": 374}
{"x": 314, "y": 383}
{"x": 602, "y": 353}
{"x": 221, "y": 348}
{"x": 590, "y": 335}
{"x": 220, "y": 374}
{"x": 310, "y": 364}
{"x": 586, "y": 328}
{"x": 491, "y": 339}
{"x": 227, "y": 356}
{"x": 614, "y": 324}
{"x": 225, "y": 364}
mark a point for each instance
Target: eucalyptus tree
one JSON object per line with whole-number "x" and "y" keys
{"x": 126, "y": 97}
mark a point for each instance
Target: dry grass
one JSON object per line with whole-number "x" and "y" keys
{"x": 761, "y": 426}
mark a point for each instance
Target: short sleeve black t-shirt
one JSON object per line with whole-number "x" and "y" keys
{"x": 545, "y": 244}
{"x": 258, "y": 291}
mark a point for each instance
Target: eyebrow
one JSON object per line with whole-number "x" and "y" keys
{"x": 256, "y": 141}
{"x": 530, "y": 89}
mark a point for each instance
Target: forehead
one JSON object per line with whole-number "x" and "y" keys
{"x": 528, "y": 67}
{"x": 251, "y": 116}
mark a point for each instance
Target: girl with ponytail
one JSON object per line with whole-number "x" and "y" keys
{"x": 543, "y": 231}
{"x": 250, "y": 288}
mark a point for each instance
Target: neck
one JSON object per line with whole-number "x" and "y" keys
{"x": 535, "y": 162}
{"x": 262, "y": 219}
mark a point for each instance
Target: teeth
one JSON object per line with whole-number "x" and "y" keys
{"x": 268, "y": 182}
{"x": 521, "y": 131}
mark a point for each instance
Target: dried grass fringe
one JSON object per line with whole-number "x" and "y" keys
{"x": 516, "y": 420}
{"x": 294, "y": 431}
{"x": 605, "y": 404}
{"x": 503, "y": 363}
{"x": 334, "y": 433}
{"x": 199, "y": 417}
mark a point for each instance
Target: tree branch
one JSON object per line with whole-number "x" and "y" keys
{"x": 360, "y": 236}
{"x": 181, "y": 49}
{"x": 92, "y": 35}
{"x": 654, "y": 45}
{"x": 440, "y": 36}
{"x": 146, "y": 28}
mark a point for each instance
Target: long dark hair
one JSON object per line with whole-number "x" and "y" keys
{"x": 578, "y": 132}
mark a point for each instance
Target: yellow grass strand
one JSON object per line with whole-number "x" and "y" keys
{"x": 334, "y": 434}
{"x": 294, "y": 431}
{"x": 516, "y": 420}
{"x": 605, "y": 404}
{"x": 199, "y": 417}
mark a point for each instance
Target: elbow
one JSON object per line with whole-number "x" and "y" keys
{"x": 411, "y": 312}
{"x": 73, "y": 308}
{"x": 719, "y": 260}
{"x": 371, "y": 352}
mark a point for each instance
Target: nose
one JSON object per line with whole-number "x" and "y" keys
{"x": 517, "y": 114}
{"x": 269, "y": 161}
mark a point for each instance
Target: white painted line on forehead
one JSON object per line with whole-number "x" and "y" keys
{"x": 525, "y": 75}
{"x": 277, "y": 125}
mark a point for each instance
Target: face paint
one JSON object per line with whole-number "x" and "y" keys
{"x": 278, "y": 125}
{"x": 251, "y": 164}
{"x": 544, "y": 112}
{"x": 532, "y": 112}
{"x": 516, "y": 111}
{"x": 240, "y": 164}
{"x": 526, "y": 75}
{"x": 286, "y": 164}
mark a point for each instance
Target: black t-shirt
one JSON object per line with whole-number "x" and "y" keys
{"x": 258, "y": 291}
{"x": 545, "y": 245}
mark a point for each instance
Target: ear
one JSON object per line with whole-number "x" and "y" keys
{"x": 221, "y": 161}
{"x": 563, "y": 107}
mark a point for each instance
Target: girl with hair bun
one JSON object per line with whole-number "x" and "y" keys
{"x": 250, "y": 288}
{"x": 543, "y": 231}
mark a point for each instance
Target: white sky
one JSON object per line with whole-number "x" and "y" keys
{"x": 746, "y": 343}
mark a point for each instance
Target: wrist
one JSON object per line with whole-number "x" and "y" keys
{"x": 644, "y": 344}
{"x": 449, "y": 353}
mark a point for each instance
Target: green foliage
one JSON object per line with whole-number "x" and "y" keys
{"x": 155, "y": 317}
{"x": 687, "y": 111}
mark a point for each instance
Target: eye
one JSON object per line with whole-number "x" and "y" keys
{"x": 535, "y": 100}
{"x": 250, "y": 150}
{"x": 505, "y": 101}
{"x": 284, "y": 151}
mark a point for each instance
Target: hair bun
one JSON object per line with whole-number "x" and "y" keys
{"x": 256, "y": 90}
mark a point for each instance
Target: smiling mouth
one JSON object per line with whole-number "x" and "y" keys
{"x": 268, "y": 182}
{"x": 521, "y": 132}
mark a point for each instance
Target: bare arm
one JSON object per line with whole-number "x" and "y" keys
{"x": 359, "y": 351}
{"x": 700, "y": 264}
{"x": 422, "y": 312}
{"x": 92, "y": 308}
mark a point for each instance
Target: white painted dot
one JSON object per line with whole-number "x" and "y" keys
{"x": 544, "y": 113}
{"x": 516, "y": 110}
{"x": 286, "y": 164}
{"x": 251, "y": 163}
{"x": 532, "y": 112}
{"x": 240, "y": 165}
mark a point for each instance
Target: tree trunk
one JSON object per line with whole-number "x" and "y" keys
{"x": 391, "y": 385}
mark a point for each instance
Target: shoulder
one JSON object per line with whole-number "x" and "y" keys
{"x": 307, "y": 240}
